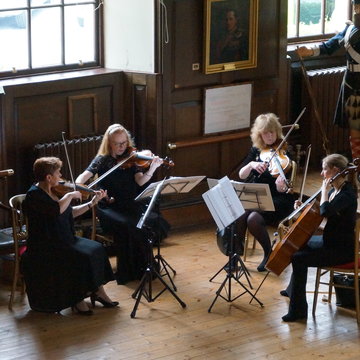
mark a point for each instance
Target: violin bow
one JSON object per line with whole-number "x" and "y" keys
{"x": 287, "y": 134}
{"x": 111, "y": 170}
{"x": 68, "y": 160}
{"x": 314, "y": 106}
{"x": 308, "y": 153}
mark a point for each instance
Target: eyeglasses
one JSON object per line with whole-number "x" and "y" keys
{"x": 119, "y": 143}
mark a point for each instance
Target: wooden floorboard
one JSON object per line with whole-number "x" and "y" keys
{"x": 164, "y": 330}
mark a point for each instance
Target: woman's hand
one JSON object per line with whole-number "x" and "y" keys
{"x": 260, "y": 167}
{"x": 155, "y": 163}
{"x": 281, "y": 185}
{"x": 297, "y": 204}
{"x": 99, "y": 194}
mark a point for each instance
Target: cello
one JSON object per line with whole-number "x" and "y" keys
{"x": 302, "y": 229}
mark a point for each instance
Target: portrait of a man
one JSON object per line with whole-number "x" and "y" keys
{"x": 231, "y": 31}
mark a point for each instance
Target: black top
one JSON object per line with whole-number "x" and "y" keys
{"x": 341, "y": 218}
{"x": 48, "y": 229}
{"x": 283, "y": 202}
{"x": 120, "y": 184}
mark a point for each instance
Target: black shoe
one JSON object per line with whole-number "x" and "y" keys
{"x": 262, "y": 267}
{"x": 81, "y": 312}
{"x": 284, "y": 293}
{"x": 291, "y": 317}
{"x": 107, "y": 304}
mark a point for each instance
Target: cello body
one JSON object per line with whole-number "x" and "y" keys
{"x": 297, "y": 236}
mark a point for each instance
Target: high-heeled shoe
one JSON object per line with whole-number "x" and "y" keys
{"x": 82, "y": 312}
{"x": 295, "y": 316}
{"x": 108, "y": 304}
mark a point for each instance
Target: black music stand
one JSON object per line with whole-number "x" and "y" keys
{"x": 252, "y": 197}
{"x": 169, "y": 186}
{"x": 226, "y": 208}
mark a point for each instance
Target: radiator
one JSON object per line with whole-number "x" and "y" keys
{"x": 81, "y": 151}
{"x": 325, "y": 84}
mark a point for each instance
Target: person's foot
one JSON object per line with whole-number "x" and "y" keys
{"x": 262, "y": 267}
{"x": 291, "y": 317}
{"x": 284, "y": 293}
{"x": 82, "y": 308}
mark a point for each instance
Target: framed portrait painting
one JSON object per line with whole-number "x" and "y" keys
{"x": 231, "y": 29}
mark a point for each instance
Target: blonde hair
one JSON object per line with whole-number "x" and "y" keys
{"x": 105, "y": 148}
{"x": 45, "y": 166}
{"x": 264, "y": 123}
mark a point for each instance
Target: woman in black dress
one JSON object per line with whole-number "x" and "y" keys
{"x": 61, "y": 269}
{"x": 121, "y": 215}
{"x": 265, "y": 133}
{"x": 338, "y": 204}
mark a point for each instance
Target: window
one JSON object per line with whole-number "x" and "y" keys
{"x": 316, "y": 19}
{"x": 38, "y": 36}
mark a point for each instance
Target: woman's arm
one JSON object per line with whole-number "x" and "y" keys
{"x": 83, "y": 208}
{"x": 84, "y": 177}
{"x": 143, "y": 178}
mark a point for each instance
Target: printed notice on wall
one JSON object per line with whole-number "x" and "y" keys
{"x": 227, "y": 108}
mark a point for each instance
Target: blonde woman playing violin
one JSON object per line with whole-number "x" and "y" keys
{"x": 121, "y": 216}
{"x": 266, "y": 133}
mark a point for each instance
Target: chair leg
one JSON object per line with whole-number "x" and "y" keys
{"x": 14, "y": 285}
{"x": 331, "y": 284}
{"x": 357, "y": 296}
{"x": 316, "y": 292}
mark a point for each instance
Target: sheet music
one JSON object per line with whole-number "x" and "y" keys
{"x": 172, "y": 185}
{"x": 223, "y": 203}
{"x": 253, "y": 196}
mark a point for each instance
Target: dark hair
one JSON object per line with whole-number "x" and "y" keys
{"x": 45, "y": 166}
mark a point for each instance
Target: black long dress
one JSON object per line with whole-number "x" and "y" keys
{"x": 60, "y": 269}
{"x": 121, "y": 217}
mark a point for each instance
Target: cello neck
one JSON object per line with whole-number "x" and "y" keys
{"x": 300, "y": 208}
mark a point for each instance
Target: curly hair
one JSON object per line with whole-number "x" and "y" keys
{"x": 104, "y": 148}
{"x": 264, "y": 123}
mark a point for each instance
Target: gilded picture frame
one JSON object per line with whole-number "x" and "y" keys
{"x": 230, "y": 34}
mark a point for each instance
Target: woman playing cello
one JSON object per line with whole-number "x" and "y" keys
{"x": 338, "y": 204}
{"x": 121, "y": 216}
{"x": 265, "y": 134}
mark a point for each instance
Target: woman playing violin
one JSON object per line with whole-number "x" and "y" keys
{"x": 61, "y": 269}
{"x": 338, "y": 204}
{"x": 266, "y": 133}
{"x": 121, "y": 216}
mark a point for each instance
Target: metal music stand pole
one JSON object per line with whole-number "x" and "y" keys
{"x": 230, "y": 276}
{"x": 145, "y": 286}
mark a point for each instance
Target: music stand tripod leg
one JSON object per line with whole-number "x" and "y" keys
{"x": 164, "y": 266}
{"x": 146, "y": 281}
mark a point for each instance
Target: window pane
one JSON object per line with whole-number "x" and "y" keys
{"x": 78, "y": 1}
{"x": 13, "y": 31}
{"x": 336, "y": 14}
{"x": 44, "y": 2}
{"x": 13, "y": 4}
{"x": 310, "y": 17}
{"x": 292, "y": 16}
{"x": 79, "y": 34}
{"x": 46, "y": 37}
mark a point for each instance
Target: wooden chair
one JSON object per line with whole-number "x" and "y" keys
{"x": 350, "y": 268}
{"x": 248, "y": 236}
{"x": 19, "y": 234}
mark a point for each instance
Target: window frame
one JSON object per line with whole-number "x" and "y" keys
{"x": 98, "y": 45}
{"x": 318, "y": 37}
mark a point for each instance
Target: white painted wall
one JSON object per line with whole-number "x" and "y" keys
{"x": 129, "y": 35}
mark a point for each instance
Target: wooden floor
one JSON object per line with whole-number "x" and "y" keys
{"x": 164, "y": 330}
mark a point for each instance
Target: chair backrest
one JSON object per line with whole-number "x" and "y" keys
{"x": 19, "y": 221}
{"x": 293, "y": 172}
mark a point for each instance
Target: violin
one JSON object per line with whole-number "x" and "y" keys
{"x": 65, "y": 187}
{"x": 141, "y": 159}
{"x": 279, "y": 163}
